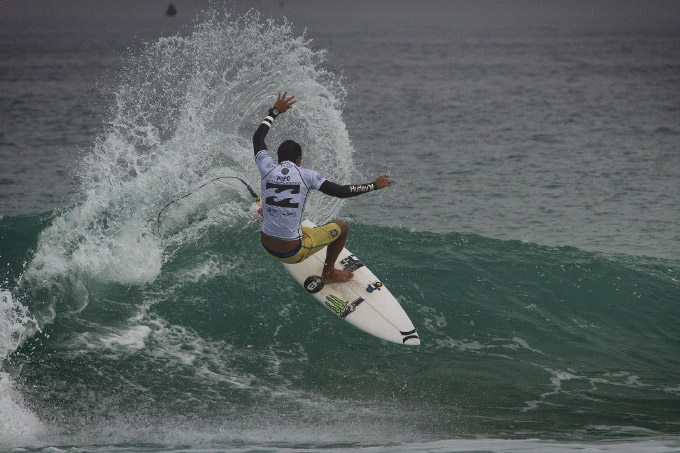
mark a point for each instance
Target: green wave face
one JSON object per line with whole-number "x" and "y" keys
{"x": 516, "y": 338}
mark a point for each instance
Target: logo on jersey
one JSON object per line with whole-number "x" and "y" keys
{"x": 285, "y": 171}
{"x": 279, "y": 189}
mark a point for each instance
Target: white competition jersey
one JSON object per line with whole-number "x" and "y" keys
{"x": 284, "y": 193}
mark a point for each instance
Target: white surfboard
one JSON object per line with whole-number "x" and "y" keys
{"x": 365, "y": 302}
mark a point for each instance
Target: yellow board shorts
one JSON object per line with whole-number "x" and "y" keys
{"x": 313, "y": 240}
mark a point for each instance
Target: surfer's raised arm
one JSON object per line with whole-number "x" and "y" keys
{"x": 285, "y": 186}
{"x": 281, "y": 105}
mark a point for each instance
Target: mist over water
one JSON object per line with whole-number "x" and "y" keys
{"x": 122, "y": 331}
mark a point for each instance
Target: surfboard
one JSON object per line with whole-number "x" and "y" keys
{"x": 364, "y": 302}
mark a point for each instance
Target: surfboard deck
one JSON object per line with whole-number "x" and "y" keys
{"x": 365, "y": 302}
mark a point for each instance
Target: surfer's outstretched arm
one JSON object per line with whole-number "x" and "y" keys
{"x": 281, "y": 105}
{"x": 352, "y": 190}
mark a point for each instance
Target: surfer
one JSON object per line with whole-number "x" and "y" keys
{"x": 285, "y": 186}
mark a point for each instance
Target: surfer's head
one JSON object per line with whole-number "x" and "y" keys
{"x": 289, "y": 150}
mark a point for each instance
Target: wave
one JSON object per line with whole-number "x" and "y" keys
{"x": 516, "y": 338}
{"x": 184, "y": 113}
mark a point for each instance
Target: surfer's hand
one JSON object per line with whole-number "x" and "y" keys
{"x": 382, "y": 181}
{"x": 282, "y": 104}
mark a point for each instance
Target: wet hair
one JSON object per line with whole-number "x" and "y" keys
{"x": 289, "y": 150}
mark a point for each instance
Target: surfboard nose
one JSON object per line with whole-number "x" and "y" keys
{"x": 412, "y": 341}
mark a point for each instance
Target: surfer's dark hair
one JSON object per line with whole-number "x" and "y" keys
{"x": 289, "y": 150}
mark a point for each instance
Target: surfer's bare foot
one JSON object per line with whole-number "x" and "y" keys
{"x": 336, "y": 276}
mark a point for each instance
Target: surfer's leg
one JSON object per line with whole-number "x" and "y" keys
{"x": 330, "y": 274}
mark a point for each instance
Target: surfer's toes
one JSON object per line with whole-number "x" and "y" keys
{"x": 337, "y": 276}
{"x": 348, "y": 276}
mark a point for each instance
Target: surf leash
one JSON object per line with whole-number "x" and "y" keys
{"x": 158, "y": 217}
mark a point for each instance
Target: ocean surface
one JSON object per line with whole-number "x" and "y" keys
{"x": 532, "y": 231}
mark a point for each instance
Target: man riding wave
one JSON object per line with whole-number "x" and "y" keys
{"x": 285, "y": 186}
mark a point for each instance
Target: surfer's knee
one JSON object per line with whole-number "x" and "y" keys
{"x": 344, "y": 227}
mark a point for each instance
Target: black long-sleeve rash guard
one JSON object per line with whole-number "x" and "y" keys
{"x": 328, "y": 187}
{"x": 260, "y": 134}
{"x": 346, "y": 191}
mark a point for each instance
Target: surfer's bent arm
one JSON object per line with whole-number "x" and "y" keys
{"x": 352, "y": 190}
{"x": 281, "y": 105}
{"x": 347, "y": 191}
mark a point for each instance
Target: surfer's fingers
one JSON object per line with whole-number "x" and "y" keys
{"x": 284, "y": 101}
{"x": 382, "y": 181}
